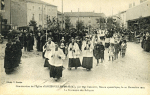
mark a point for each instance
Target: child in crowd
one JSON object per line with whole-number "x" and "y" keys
{"x": 123, "y": 48}
{"x": 62, "y": 44}
{"x": 111, "y": 50}
{"x": 116, "y": 46}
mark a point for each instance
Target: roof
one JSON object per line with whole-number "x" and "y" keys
{"x": 59, "y": 13}
{"x": 39, "y": 1}
{"x": 84, "y": 14}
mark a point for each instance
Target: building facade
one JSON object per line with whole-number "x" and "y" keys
{"x": 6, "y": 11}
{"x": 134, "y": 14}
{"x": 123, "y": 22}
{"x": 131, "y": 16}
{"x": 40, "y": 12}
{"x": 20, "y": 12}
{"x": 88, "y": 18}
{"x": 142, "y": 10}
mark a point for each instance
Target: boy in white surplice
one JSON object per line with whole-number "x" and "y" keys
{"x": 56, "y": 58}
{"x": 73, "y": 54}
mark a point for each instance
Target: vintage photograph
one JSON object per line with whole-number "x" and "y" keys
{"x": 75, "y": 47}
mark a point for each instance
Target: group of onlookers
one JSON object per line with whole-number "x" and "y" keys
{"x": 13, "y": 55}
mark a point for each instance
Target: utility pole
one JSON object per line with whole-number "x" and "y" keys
{"x": 100, "y": 19}
{"x": 78, "y": 19}
{"x": 46, "y": 28}
{"x": 10, "y": 15}
{"x": 62, "y": 15}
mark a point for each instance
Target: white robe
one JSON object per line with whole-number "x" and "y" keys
{"x": 89, "y": 52}
{"x": 72, "y": 54}
{"x": 54, "y": 59}
{"x": 49, "y": 46}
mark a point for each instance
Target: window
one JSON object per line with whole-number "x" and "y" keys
{"x": 39, "y": 8}
{"x": 33, "y": 7}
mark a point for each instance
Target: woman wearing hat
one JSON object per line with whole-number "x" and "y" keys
{"x": 73, "y": 54}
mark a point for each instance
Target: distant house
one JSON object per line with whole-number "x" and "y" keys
{"x": 20, "y": 12}
{"x": 89, "y": 18}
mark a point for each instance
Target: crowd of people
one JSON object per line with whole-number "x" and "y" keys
{"x": 57, "y": 46}
{"x": 88, "y": 47}
{"x": 13, "y": 55}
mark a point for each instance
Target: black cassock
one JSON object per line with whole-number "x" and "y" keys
{"x": 8, "y": 63}
{"x": 43, "y": 41}
{"x": 38, "y": 43}
{"x": 30, "y": 42}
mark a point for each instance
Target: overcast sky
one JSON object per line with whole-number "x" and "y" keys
{"x": 105, "y": 6}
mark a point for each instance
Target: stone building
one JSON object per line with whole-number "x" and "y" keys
{"x": 20, "y": 12}
{"x": 88, "y": 18}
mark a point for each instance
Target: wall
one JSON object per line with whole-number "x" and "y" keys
{"x": 6, "y": 14}
{"x": 87, "y": 21}
{"x": 34, "y": 10}
{"x": 18, "y": 13}
{"x": 41, "y": 12}
{"x": 123, "y": 19}
{"x": 140, "y": 10}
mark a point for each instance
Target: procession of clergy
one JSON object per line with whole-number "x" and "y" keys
{"x": 91, "y": 46}
{"x": 56, "y": 47}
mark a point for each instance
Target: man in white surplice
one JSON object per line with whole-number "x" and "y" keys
{"x": 56, "y": 58}
{"x": 73, "y": 54}
{"x": 47, "y": 48}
